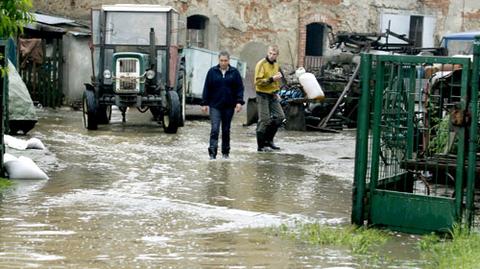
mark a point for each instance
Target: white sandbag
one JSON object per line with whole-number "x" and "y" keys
{"x": 20, "y": 144}
{"x": 8, "y": 157}
{"x": 35, "y": 143}
{"x": 14, "y": 143}
{"x": 24, "y": 168}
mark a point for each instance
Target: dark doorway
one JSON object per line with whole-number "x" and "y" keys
{"x": 416, "y": 30}
{"x": 196, "y": 31}
{"x": 314, "y": 46}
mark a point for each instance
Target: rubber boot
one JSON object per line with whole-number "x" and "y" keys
{"x": 261, "y": 142}
{"x": 226, "y": 153}
{"x": 212, "y": 152}
{"x": 269, "y": 138}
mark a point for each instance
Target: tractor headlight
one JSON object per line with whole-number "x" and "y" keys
{"x": 150, "y": 74}
{"x": 107, "y": 74}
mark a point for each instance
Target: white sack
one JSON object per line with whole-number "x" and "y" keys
{"x": 16, "y": 143}
{"x": 35, "y": 143}
{"x": 8, "y": 157}
{"x": 24, "y": 168}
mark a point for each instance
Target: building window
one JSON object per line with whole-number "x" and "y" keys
{"x": 196, "y": 31}
{"x": 419, "y": 29}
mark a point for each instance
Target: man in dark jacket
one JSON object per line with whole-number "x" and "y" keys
{"x": 223, "y": 94}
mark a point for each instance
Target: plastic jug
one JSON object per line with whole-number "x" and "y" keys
{"x": 310, "y": 84}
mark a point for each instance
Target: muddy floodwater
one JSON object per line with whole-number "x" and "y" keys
{"x": 131, "y": 196}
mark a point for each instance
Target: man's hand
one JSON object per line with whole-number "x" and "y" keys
{"x": 278, "y": 76}
{"x": 205, "y": 109}
{"x": 238, "y": 108}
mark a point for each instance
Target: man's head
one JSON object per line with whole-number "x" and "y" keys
{"x": 272, "y": 53}
{"x": 224, "y": 59}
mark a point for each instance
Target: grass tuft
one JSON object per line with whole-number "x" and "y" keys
{"x": 459, "y": 249}
{"x": 360, "y": 240}
{"x": 5, "y": 183}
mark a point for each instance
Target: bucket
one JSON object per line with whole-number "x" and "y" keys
{"x": 310, "y": 85}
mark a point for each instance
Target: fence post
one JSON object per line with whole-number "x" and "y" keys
{"x": 361, "y": 147}
{"x": 472, "y": 141}
{"x": 377, "y": 119}
{"x": 3, "y": 90}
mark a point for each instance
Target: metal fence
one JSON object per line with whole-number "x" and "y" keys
{"x": 415, "y": 164}
{"x": 3, "y": 100}
{"x": 44, "y": 81}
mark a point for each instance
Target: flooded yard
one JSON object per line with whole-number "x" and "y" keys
{"x": 131, "y": 196}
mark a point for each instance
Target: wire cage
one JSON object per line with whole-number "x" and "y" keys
{"x": 415, "y": 164}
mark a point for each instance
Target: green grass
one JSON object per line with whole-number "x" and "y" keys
{"x": 4, "y": 183}
{"x": 459, "y": 249}
{"x": 358, "y": 239}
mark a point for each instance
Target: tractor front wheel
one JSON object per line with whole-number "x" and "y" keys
{"x": 89, "y": 107}
{"x": 104, "y": 114}
{"x": 172, "y": 113}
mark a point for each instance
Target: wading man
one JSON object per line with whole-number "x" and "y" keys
{"x": 222, "y": 95}
{"x": 270, "y": 113}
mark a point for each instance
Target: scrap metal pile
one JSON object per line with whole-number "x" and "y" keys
{"x": 339, "y": 78}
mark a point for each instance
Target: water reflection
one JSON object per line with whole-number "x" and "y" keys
{"x": 132, "y": 196}
{"x": 218, "y": 181}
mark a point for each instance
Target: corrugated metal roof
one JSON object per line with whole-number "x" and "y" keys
{"x": 50, "y": 23}
{"x": 45, "y": 28}
{"x": 51, "y": 20}
{"x": 79, "y": 33}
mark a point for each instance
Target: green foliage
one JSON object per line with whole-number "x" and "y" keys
{"x": 358, "y": 240}
{"x": 460, "y": 249}
{"x": 13, "y": 15}
{"x": 440, "y": 136}
{"x": 3, "y": 71}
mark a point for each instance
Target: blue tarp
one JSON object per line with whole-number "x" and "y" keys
{"x": 458, "y": 38}
{"x": 462, "y": 36}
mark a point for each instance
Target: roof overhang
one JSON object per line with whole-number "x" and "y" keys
{"x": 51, "y": 20}
{"x": 137, "y": 8}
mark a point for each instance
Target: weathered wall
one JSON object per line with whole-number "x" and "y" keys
{"x": 241, "y": 25}
{"x": 75, "y": 50}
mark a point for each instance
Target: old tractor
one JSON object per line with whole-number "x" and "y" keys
{"x": 136, "y": 62}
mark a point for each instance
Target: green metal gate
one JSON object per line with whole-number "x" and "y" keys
{"x": 415, "y": 163}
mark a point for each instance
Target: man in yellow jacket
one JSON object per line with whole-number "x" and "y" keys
{"x": 270, "y": 112}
